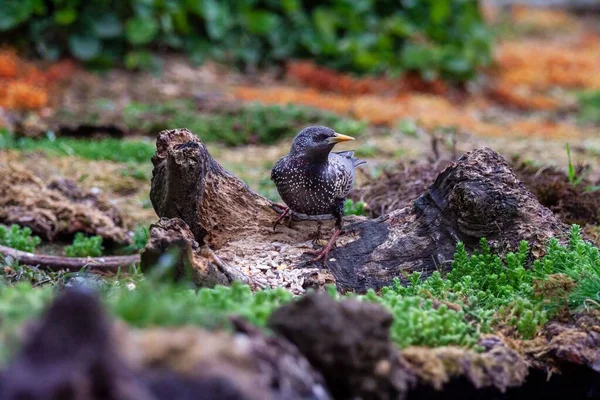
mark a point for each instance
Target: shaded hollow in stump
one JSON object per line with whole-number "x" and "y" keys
{"x": 172, "y": 245}
{"x": 476, "y": 196}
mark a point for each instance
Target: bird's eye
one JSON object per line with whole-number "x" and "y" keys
{"x": 321, "y": 137}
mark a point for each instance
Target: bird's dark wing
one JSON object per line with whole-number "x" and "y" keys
{"x": 341, "y": 169}
{"x": 350, "y": 154}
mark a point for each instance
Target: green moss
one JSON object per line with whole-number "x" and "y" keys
{"x": 18, "y": 238}
{"x": 84, "y": 246}
{"x": 166, "y": 305}
{"x": 141, "y": 235}
{"x": 354, "y": 208}
{"x": 482, "y": 292}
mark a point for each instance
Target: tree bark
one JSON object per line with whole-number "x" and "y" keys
{"x": 476, "y": 196}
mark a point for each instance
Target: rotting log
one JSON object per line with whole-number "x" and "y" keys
{"x": 476, "y": 196}
{"x": 189, "y": 259}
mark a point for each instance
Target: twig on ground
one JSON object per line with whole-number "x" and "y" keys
{"x": 112, "y": 263}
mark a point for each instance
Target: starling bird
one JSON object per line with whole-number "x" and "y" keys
{"x": 312, "y": 180}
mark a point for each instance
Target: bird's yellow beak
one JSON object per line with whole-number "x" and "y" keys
{"x": 339, "y": 138}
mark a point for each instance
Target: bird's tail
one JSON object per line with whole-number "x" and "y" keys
{"x": 350, "y": 154}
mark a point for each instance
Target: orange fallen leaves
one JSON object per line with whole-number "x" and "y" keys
{"x": 541, "y": 18}
{"x": 23, "y": 86}
{"x": 540, "y": 66}
{"x": 309, "y": 74}
{"x": 430, "y": 111}
{"x": 522, "y": 98}
{"x": 8, "y": 65}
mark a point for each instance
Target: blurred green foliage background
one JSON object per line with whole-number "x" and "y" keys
{"x": 444, "y": 38}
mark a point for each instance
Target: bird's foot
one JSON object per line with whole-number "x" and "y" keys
{"x": 324, "y": 252}
{"x": 317, "y": 237}
{"x": 281, "y": 217}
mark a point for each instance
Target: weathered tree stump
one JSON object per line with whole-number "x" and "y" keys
{"x": 476, "y": 196}
{"x": 187, "y": 258}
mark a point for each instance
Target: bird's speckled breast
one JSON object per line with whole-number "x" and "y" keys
{"x": 313, "y": 189}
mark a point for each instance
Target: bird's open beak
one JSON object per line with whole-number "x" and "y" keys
{"x": 339, "y": 138}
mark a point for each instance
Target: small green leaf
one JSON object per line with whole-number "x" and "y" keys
{"x": 440, "y": 11}
{"x": 65, "y": 16}
{"x": 325, "y": 22}
{"x": 457, "y": 65}
{"x": 107, "y": 26}
{"x": 260, "y": 22}
{"x": 141, "y": 30}
{"x": 218, "y": 18}
{"x": 84, "y": 47}
{"x": 13, "y": 12}
{"x": 290, "y": 6}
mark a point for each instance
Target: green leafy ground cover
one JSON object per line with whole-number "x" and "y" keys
{"x": 433, "y": 37}
{"x": 107, "y": 149}
{"x": 482, "y": 292}
{"x": 253, "y": 123}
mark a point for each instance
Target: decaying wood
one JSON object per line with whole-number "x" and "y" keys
{"x": 172, "y": 238}
{"x": 476, "y": 196}
{"x": 58, "y": 209}
{"x": 56, "y": 263}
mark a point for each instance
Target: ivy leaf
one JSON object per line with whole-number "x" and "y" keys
{"x": 13, "y": 12}
{"x": 260, "y": 22}
{"x": 290, "y": 6}
{"x": 141, "y": 30}
{"x": 107, "y": 26}
{"x": 84, "y": 47}
{"x": 440, "y": 11}
{"x": 457, "y": 65}
{"x": 325, "y": 22}
{"x": 218, "y": 18}
{"x": 65, "y": 16}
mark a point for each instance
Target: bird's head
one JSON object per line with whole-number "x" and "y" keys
{"x": 317, "y": 141}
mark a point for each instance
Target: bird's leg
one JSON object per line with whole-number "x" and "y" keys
{"x": 322, "y": 255}
{"x": 282, "y": 216}
{"x": 337, "y": 213}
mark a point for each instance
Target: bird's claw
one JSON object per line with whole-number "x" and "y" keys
{"x": 282, "y": 216}
{"x": 322, "y": 254}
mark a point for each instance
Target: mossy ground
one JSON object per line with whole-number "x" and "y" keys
{"x": 483, "y": 293}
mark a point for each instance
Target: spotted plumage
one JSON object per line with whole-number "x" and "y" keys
{"x": 313, "y": 180}
{"x": 312, "y": 188}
